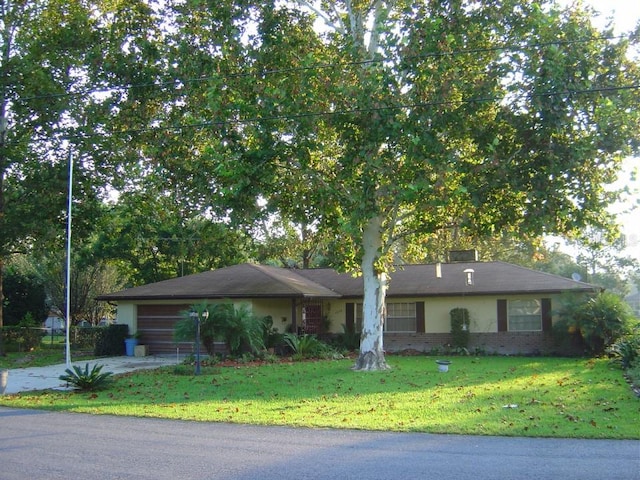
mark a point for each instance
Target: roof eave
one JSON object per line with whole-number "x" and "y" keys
{"x": 116, "y": 298}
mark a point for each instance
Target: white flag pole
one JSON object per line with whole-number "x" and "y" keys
{"x": 68, "y": 300}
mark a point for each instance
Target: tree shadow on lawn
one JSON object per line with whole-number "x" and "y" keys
{"x": 514, "y": 395}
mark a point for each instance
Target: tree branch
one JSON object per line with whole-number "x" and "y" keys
{"x": 336, "y": 25}
{"x": 379, "y": 14}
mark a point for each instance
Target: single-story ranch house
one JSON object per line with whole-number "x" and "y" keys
{"x": 510, "y": 307}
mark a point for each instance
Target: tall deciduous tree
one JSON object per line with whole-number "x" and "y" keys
{"x": 66, "y": 71}
{"x": 150, "y": 237}
{"x": 42, "y": 49}
{"x": 408, "y": 117}
{"x": 601, "y": 255}
{"x": 394, "y": 121}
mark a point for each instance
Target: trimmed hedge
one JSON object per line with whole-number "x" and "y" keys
{"x": 460, "y": 327}
{"x": 110, "y": 340}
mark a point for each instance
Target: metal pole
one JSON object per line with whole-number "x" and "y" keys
{"x": 195, "y": 316}
{"x": 68, "y": 300}
{"x": 198, "y": 345}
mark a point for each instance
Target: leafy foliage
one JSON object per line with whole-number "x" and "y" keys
{"x": 87, "y": 380}
{"x": 243, "y": 331}
{"x": 272, "y": 338}
{"x": 627, "y": 349}
{"x": 599, "y": 320}
{"x": 150, "y": 238}
{"x": 110, "y": 340}
{"x": 349, "y": 339}
{"x": 460, "y": 327}
{"x": 24, "y": 338}
{"x": 43, "y": 66}
{"x": 502, "y": 132}
{"x": 306, "y": 346}
{"x": 399, "y": 120}
{"x": 24, "y": 294}
{"x": 238, "y": 327}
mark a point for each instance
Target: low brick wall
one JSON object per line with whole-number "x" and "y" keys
{"x": 505, "y": 343}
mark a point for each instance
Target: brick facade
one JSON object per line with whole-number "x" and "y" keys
{"x": 504, "y": 343}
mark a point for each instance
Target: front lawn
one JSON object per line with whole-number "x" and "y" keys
{"x": 40, "y": 357}
{"x": 516, "y": 396}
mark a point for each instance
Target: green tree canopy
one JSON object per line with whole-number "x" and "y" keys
{"x": 392, "y": 122}
{"x": 403, "y": 119}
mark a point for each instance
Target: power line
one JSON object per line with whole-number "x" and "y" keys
{"x": 176, "y": 83}
{"x": 303, "y": 115}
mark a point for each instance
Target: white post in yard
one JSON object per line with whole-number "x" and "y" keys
{"x": 68, "y": 300}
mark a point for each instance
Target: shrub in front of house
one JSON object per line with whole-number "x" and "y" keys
{"x": 109, "y": 340}
{"x": 307, "y": 346}
{"x": 627, "y": 349}
{"x": 83, "y": 338}
{"x": 241, "y": 331}
{"x": 598, "y": 321}
{"x": 349, "y": 339}
{"x": 460, "y": 328}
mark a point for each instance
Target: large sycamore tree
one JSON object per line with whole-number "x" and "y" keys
{"x": 381, "y": 122}
{"x": 372, "y": 123}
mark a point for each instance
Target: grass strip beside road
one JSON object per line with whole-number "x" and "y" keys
{"x": 512, "y": 396}
{"x": 41, "y": 357}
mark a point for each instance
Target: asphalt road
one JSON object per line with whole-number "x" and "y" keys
{"x": 44, "y": 445}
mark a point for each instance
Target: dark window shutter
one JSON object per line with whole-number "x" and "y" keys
{"x": 420, "y": 317}
{"x": 350, "y": 320}
{"x": 502, "y": 315}
{"x": 546, "y": 314}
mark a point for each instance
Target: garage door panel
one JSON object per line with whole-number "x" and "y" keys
{"x": 156, "y": 325}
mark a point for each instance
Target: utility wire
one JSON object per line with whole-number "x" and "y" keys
{"x": 303, "y": 115}
{"x": 179, "y": 83}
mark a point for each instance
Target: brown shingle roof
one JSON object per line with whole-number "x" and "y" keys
{"x": 239, "y": 281}
{"x": 490, "y": 278}
{"x": 260, "y": 281}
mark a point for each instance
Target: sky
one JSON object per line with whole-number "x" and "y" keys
{"x": 625, "y": 14}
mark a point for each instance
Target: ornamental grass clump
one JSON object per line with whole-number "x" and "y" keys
{"x": 306, "y": 346}
{"x": 86, "y": 380}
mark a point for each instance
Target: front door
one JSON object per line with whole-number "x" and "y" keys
{"x": 312, "y": 318}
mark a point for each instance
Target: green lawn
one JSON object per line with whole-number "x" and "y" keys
{"x": 542, "y": 397}
{"x": 45, "y": 355}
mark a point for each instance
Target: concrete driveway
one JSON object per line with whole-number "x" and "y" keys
{"x": 41, "y": 378}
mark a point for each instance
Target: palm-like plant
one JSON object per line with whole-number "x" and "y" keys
{"x": 87, "y": 380}
{"x": 306, "y": 346}
{"x": 238, "y": 327}
{"x": 600, "y": 320}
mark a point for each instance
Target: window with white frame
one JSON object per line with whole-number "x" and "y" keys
{"x": 525, "y": 315}
{"x": 401, "y": 317}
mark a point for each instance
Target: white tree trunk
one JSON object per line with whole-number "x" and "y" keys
{"x": 375, "y": 290}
